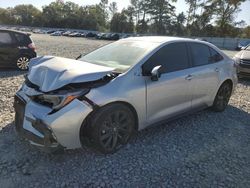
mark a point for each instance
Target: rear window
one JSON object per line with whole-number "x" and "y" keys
{"x": 22, "y": 38}
{"x": 5, "y": 38}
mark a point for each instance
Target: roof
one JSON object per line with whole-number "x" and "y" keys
{"x": 158, "y": 39}
{"x": 162, "y": 40}
{"x": 9, "y": 30}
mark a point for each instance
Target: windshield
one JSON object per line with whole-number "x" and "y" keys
{"x": 244, "y": 43}
{"x": 120, "y": 55}
{"x": 248, "y": 48}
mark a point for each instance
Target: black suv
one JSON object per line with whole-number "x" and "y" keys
{"x": 16, "y": 49}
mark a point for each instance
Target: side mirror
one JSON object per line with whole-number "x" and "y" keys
{"x": 80, "y": 56}
{"x": 155, "y": 73}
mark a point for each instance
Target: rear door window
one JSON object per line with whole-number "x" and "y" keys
{"x": 172, "y": 57}
{"x": 22, "y": 38}
{"x": 215, "y": 56}
{"x": 5, "y": 38}
{"x": 200, "y": 53}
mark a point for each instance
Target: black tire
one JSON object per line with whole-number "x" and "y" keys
{"x": 222, "y": 98}
{"x": 111, "y": 127}
{"x": 22, "y": 62}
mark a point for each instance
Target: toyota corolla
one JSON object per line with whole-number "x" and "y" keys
{"x": 108, "y": 94}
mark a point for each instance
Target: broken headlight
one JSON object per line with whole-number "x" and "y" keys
{"x": 60, "y": 99}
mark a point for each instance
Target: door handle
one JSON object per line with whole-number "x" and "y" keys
{"x": 217, "y": 69}
{"x": 189, "y": 77}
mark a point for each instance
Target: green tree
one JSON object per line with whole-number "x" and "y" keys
{"x": 129, "y": 12}
{"x": 140, "y": 9}
{"x": 225, "y": 11}
{"x": 222, "y": 11}
{"x": 104, "y": 9}
{"x": 7, "y": 16}
{"x": 26, "y": 14}
{"x": 136, "y": 4}
{"x": 246, "y": 32}
{"x": 53, "y": 14}
{"x": 113, "y": 8}
{"x": 204, "y": 17}
{"x": 178, "y": 27}
{"x": 96, "y": 15}
{"x": 161, "y": 12}
{"x": 192, "y": 9}
{"x": 122, "y": 22}
{"x": 71, "y": 15}
{"x": 200, "y": 14}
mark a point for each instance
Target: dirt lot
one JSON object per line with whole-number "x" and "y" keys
{"x": 205, "y": 149}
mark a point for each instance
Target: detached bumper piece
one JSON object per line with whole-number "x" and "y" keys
{"x": 47, "y": 141}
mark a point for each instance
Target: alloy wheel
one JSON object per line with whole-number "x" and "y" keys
{"x": 224, "y": 96}
{"x": 115, "y": 130}
{"x": 23, "y": 63}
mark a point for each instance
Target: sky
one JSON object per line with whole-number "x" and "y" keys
{"x": 180, "y": 5}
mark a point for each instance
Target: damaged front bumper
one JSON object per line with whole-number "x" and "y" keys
{"x": 50, "y": 131}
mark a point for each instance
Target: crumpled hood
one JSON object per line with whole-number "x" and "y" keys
{"x": 50, "y": 73}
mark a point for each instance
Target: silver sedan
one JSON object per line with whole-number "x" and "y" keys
{"x": 105, "y": 96}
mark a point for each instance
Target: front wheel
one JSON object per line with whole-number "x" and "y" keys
{"x": 111, "y": 127}
{"x": 222, "y": 98}
{"x": 22, "y": 62}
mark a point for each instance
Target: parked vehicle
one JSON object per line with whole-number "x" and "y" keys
{"x": 83, "y": 34}
{"x": 39, "y": 31}
{"x": 24, "y": 29}
{"x": 100, "y": 35}
{"x": 242, "y": 45}
{"x": 107, "y": 36}
{"x": 76, "y": 34}
{"x": 114, "y": 36}
{"x": 51, "y": 31}
{"x": 57, "y": 33}
{"x": 16, "y": 49}
{"x": 243, "y": 61}
{"x": 123, "y": 36}
{"x": 90, "y": 35}
{"x": 111, "y": 36}
{"x": 110, "y": 93}
{"x": 67, "y": 33}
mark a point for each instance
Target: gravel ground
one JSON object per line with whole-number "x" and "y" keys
{"x": 205, "y": 149}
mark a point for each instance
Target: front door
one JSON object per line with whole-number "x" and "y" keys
{"x": 171, "y": 94}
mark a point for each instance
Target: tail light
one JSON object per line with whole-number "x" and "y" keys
{"x": 32, "y": 46}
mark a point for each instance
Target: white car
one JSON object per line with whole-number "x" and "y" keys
{"x": 242, "y": 59}
{"x": 108, "y": 94}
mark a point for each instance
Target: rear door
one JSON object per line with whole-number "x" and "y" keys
{"x": 205, "y": 76}
{"x": 171, "y": 94}
{"x": 8, "y": 49}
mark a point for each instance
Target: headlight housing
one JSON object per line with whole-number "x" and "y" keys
{"x": 236, "y": 61}
{"x": 60, "y": 99}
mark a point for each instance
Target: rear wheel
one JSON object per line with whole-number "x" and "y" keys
{"x": 22, "y": 62}
{"x": 111, "y": 127}
{"x": 222, "y": 98}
